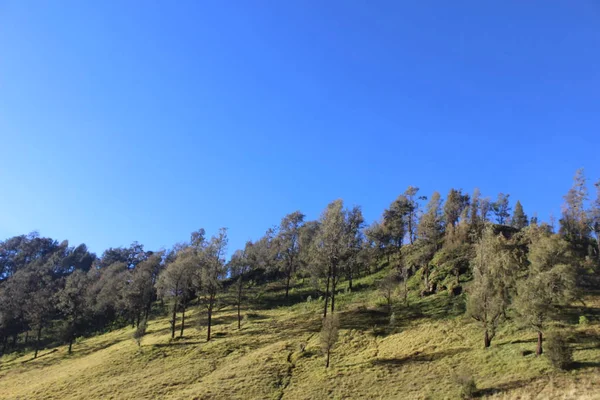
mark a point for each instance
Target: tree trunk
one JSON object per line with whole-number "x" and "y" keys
{"x": 173, "y": 320}
{"x": 239, "y": 304}
{"x": 333, "y": 286}
{"x": 539, "y": 349}
{"x": 70, "y": 344}
{"x": 37, "y": 342}
{"x": 287, "y": 283}
{"x": 210, "y": 309}
{"x": 327, "y": 362}
{"x": 406, "y": 288}
{"x": 486, "y": 340}
{"x": 326, "y": 296}
{"x": 182, "y": 321}
{"x": 26, "y": 337}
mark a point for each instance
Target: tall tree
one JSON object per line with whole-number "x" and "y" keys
{"x": 288, "y": 243}
{"x": 550, "y": 281}
{"x": 492, "y": 276}
{"x": 412, "y": 211}
{"x": 454, "y": 206}
{"x": 331, "y": 247}
{"x": 474, "y": 213}
{"x": 574, "y": 223}
{"x": 501, "y": 208}
{"x": 395, "y": 221}
{"x": 213, "y": 270}
{"x": 72, "y": 304}
{"x": 519, "y": 219}
{"x": 175, "y": 282}
{"x": 430, "y": 232}
{"x": 379, "y": 236}
{"x": 239, "y": 267}
{"x": 354, "y": 239}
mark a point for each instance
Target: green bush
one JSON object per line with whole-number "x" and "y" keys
{"x": 558, "y": 350}
{"x": 583, "y": 320}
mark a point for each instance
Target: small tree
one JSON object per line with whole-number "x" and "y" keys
{"x": 550, "y": 282}
{"x": 140, "y": 332}
{"x": 387, "y": 288}
{"x": 329, "y": 335}
{"x": 488, "y": 296}
{"x": 519, "y": 219}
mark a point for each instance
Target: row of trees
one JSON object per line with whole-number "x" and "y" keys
{"x": 71, "y": 292}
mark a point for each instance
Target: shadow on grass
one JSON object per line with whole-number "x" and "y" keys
{"x": 419, "y": 357}
{"x": 520, "y": 341}
{"x": 363, "y": 318}
{"x": 40, "y": 356}
{"x": 178, "y": 343}
{"x": 571, "y": 314}
{"x": 584, "y": 364}
{"x": 505, "y": 387}
{"x": 268, "y": 302}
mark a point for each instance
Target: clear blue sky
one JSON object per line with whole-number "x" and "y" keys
{"x": 123, "y": 121}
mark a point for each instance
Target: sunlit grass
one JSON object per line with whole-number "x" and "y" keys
{"x": 276, "y": 355}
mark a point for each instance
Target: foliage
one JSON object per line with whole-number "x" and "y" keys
{"x": 558, "y": 350}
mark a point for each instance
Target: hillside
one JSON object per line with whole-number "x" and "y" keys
{"x": 276, "y": 355}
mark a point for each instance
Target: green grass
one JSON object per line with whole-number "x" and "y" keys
{"x": 419, "y": 358}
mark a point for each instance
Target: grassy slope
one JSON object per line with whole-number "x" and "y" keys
{"x": 430, "y": 344}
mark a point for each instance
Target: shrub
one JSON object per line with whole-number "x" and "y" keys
{"x": 583, "y": 320}
{"x": 139, "y": 332}
{"x": 467, "y": 385}
{"x": 558, "y": 350}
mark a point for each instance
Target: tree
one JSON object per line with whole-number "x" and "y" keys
{"x": 387, "y": 288}
{"x": 329, "y": 335}
{"x": 72, "y": 303}
{"x": 330, "y": 246}
{"x": 519, "y": 219}
{"x": 140, "y": 289}
{"x": 455, "y": 204}
{"x": 412, "y": 211}
{"x": 288, "y": 241}
{"x": 175, "y": 282}
{"x": 354, "y": 240}
{"x": 550, "y": 282}
{"x": 239, "y": 266}
{"x": 430, "y": 232}
{"x": 487, "y": 296}
{"x": 501, "y": 209}
{"x": 378, "y": 234}
{"x": 475, "y": 208}
{"x": 395, "y": 222}
{"x": 213, "y": 270}
{"x": 574, "y": 223}
{"x": 485, "y": 206}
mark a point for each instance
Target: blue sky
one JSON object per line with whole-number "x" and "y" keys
{"x": 123, "y": 121}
